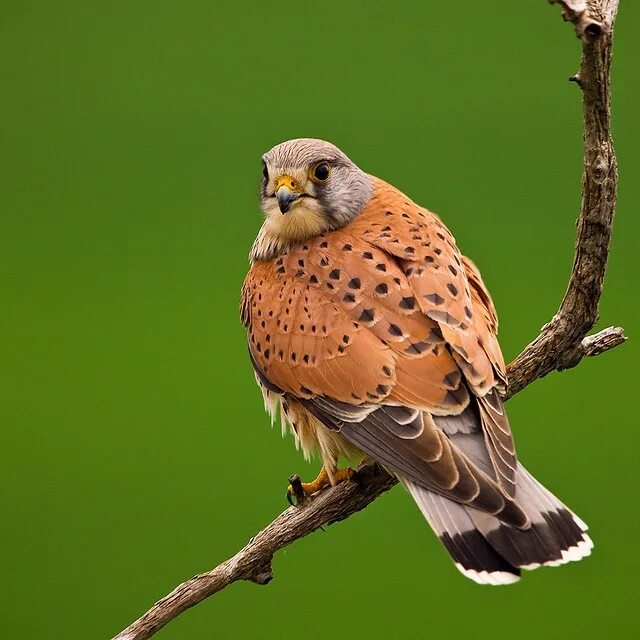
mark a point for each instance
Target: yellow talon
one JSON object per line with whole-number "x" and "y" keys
{"x": 343, "y": 474}
{"x": 321, "y": 482}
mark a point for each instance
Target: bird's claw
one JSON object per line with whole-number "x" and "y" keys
{"x": 301, "y": 490}
{"x": 296, "y": 489}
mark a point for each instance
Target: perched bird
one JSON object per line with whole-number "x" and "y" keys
{"x": 371, "y": 334}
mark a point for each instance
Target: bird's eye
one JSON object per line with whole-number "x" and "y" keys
{"x": 265, "y": 171}
{"x": 320, "y": 172}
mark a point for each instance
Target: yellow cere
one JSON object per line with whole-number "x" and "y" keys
{"x": 287, "y": 181}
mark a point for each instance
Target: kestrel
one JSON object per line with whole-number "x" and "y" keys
{"x": 372, "y": 335}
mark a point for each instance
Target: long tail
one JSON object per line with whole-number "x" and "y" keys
{"x": 491, "y": 552}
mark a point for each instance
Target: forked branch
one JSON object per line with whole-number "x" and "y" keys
{"x": 561, "y": 344}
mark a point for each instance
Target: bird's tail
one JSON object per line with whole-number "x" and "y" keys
{"x": 491, "y": 552}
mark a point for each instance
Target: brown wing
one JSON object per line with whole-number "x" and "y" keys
{"x": 339, "y": 312}
{"x": 365, "y": 326}
{"x": 486, "y": 321}
{"x": 298, "y": 340}
{"x": 449, "y": 290}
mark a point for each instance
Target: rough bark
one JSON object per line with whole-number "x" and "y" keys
{"x": 561, "y": 344}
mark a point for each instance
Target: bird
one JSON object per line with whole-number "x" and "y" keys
{"x": 371, "y": 335}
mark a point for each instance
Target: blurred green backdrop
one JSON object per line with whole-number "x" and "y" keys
{"x": 135, "y": 450}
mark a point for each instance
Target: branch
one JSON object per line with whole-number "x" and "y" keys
{"x": 561, "y": 344}
{"x": 253, "y": 562}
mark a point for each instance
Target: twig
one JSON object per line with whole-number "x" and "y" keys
{"x": 562, "y": 343}
{"x": 558, "y": 346}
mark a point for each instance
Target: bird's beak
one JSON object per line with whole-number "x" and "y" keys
{"x": 286, "y": 192}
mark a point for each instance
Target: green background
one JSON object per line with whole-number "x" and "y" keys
{"x": 135, "y": 451}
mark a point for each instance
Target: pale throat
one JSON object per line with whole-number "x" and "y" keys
{"x": 279, "y": 232}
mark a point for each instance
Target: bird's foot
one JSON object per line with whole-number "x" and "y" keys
{"x": 300, "y": 490}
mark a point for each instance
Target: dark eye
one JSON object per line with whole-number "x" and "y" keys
{"x": 265, "y": 171}
{"x": 321, "y": 171}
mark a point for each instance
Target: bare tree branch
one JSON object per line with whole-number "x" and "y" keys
{"x": 558, "y": 346}
{"x": 253, "y": 562}
{"x": 561, "y": 344}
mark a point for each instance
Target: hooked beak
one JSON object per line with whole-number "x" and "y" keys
{"x": 286, "y": 198}
{"x": 286, "y": 193}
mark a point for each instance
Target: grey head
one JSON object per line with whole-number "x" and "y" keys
{"x": 308, "y": 187}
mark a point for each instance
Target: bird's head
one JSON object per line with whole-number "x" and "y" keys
{"x": 308, "y": 186}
